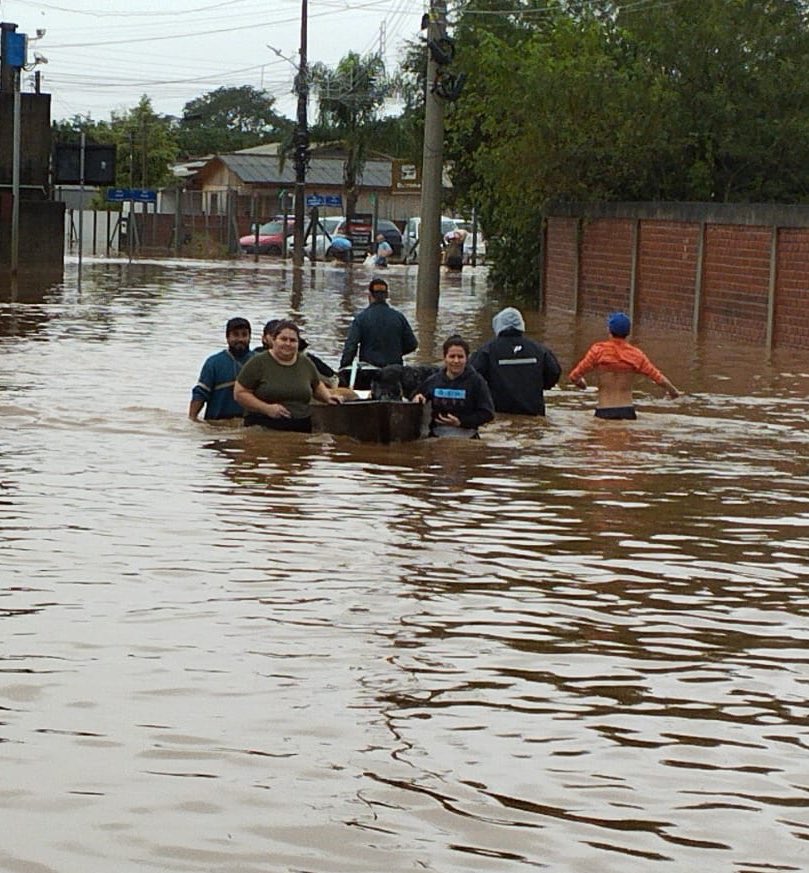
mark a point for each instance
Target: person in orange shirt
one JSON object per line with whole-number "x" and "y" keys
{"x": 617, "y": 362}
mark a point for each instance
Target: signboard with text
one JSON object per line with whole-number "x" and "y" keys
{"x": 313, "y": 200}
{"x": 405, "y": 177}
{"x": 139, "y": 195}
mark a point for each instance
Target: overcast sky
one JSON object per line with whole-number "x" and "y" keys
{"x": 104, "y": 54}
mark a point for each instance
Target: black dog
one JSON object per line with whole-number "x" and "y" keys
{"x": 400, "y": 381}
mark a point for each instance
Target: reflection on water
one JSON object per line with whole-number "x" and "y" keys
{"x": 573, "y": 645}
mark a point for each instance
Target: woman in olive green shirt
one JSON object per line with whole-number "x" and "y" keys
{"x": 276, "y": 387}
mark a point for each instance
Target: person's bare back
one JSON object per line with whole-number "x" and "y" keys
{"x": 616, "y": 363}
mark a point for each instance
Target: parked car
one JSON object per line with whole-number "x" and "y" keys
{"x": 413, "y": 232}
{"x": 387, "y": 228}
{"x": 325, "y": 231}
{"x": 270, "y": 237}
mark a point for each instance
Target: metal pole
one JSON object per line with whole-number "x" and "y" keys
{"x": 15, "y": 180}
{"x": 301, "y": 143}
{"x": 431, "y": 172}
{"x": 81, "y": 197}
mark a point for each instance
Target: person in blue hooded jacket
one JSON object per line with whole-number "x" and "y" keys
{"x": 517, "y": 370}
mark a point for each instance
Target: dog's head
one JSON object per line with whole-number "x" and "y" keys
{"x": 387, "y": 383}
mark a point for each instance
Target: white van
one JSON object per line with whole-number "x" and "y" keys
{"x": 412, "y": 233}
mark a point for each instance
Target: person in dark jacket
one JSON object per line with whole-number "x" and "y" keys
{"x": 460, "y": 397}
{"x": 380, "y": 334}
{"x": 517, "y": 369}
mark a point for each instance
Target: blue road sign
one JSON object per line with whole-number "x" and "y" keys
{"x": 142, "y": 195}
{"x": 313, "y": 200}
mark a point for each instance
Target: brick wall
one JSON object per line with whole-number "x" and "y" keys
{"x": 559, "y": 278}
{"x": 667, "y": 270}
{"x": 606, "y": 265}
{"x": 792, "y": 300}
{"x": 735, "y": 281}
{"x": 738, "y": 284}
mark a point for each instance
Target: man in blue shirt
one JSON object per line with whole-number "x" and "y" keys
{"x": 214, "y": 390}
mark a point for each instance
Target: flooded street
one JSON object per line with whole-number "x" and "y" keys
{"x": 574, "y": 645}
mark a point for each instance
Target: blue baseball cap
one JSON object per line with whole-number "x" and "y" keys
{"x": 619, "y": 324}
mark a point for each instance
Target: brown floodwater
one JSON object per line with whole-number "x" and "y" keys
{"x": 574, "y": 645}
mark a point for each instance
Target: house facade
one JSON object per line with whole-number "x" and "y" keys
{"x": 256, "y": 184}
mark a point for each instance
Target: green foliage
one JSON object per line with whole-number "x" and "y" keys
{"x": 145, "y": 143}
{"x": 229, "y": 119}
{"x": 350, "y": 96}
{"x": 693, "y": 100}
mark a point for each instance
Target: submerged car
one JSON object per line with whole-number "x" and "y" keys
{"x": 448, "y": 225}
{"x": 384, "y": 226}
{"x": 326, "y": 227}
{"x": 271, "y": 236}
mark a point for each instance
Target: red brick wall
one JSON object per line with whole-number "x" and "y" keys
{"x": 667, "y": 270}
{"x": 735, "y": 281}
{"x": 560, "y": 270}
{"x": 792, "y": 288}
{"x": 606, "y": 265}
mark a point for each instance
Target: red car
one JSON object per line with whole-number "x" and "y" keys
{"x": 271, "y": 237}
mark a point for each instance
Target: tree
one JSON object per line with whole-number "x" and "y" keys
{"x": 229, "y": 119}
{"x": 146, "y": 146}
{"x": 736, "y": 72}
{"x": 144, "y": 140}
{"x": 699, "y": 100}
{"x": 349, "y": 99}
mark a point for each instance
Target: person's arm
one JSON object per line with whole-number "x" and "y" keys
{"x": 202, "y": 390}
{"x": 587, "y": 363}
{"x": 648, "y": 369}
{"x": 409, "y": 341}
{"x": 351, "y": 344}
{"x": 321, "y": 392}
{"x": 483, "y": 409}
{"x": 670, "y": 389}
{"x": 247, "y": 399}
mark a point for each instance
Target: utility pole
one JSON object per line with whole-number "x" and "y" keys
{"x": 432, "y": 169}
{"x": 15, "y": 178}
{"x": 301, "y": 143}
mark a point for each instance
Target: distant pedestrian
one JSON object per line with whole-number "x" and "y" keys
{"x": 617, "y": 362}
{"x": 453, "y": 254}
{"x": 340, "y": 249}
{"x": 384, "y": 250}
{"x": 214, "y": 389}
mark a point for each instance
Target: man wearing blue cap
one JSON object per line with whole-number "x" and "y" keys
{"x": 617, "y": 362}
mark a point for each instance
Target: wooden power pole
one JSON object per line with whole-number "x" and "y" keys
{"x": 301, "y": 143}
{"x": 432, "y": 170}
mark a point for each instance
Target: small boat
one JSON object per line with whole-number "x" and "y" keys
{"x": 373, "y": 421}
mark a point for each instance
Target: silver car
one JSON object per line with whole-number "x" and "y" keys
{"x": 327, "y": 225}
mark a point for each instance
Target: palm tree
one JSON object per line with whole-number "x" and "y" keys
{"x": 349, "y": 98}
